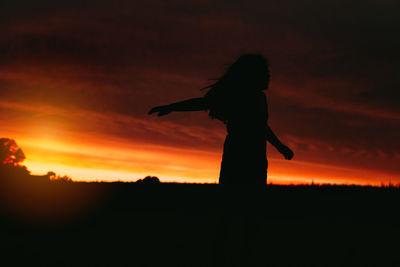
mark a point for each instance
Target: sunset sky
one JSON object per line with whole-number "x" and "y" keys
{"x": 77, "y": 79}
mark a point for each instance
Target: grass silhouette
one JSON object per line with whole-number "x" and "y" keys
{"x": 57, "y": 222}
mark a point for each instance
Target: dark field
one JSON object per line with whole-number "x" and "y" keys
{"x": 98, "y": 224}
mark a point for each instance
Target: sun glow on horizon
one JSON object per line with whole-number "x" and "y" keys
{"x": 108, "y": 161}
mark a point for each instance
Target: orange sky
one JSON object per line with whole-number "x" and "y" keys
{"x": 77, "y": 81}
{"x": 109, "y": 161}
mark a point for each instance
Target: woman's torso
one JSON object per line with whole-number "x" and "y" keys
{"x": 248, "y": 116}
{"x": 244, "y": 158}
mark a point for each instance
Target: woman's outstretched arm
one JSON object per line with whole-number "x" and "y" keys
{"x": 193, "y": 104}
{"x": 274, "y": 140}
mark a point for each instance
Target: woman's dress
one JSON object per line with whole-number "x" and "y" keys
{"x": 244, "y": 159}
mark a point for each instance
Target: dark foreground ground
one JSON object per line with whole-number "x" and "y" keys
{"x": 96, "y": 224}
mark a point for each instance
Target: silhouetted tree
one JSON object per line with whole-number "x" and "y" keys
{"x": 51, "y": 175}
{"x": 58, "y": 178}
{"x": 10, "y": 158}
{"x": 149, "y": 180}
{"x": 10, "y": 153}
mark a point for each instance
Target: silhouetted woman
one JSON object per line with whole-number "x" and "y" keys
{"x": 238, "y": 100}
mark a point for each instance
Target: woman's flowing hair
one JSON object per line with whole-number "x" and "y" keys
{"x": 247, "y": 75}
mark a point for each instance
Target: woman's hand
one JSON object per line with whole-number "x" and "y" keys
{"x": 161, "y": 110}
{"x": 286, "y": 152}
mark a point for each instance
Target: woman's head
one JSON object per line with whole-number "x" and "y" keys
{"x": 248, "y": 74}
{"x": 250, "y": 71}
